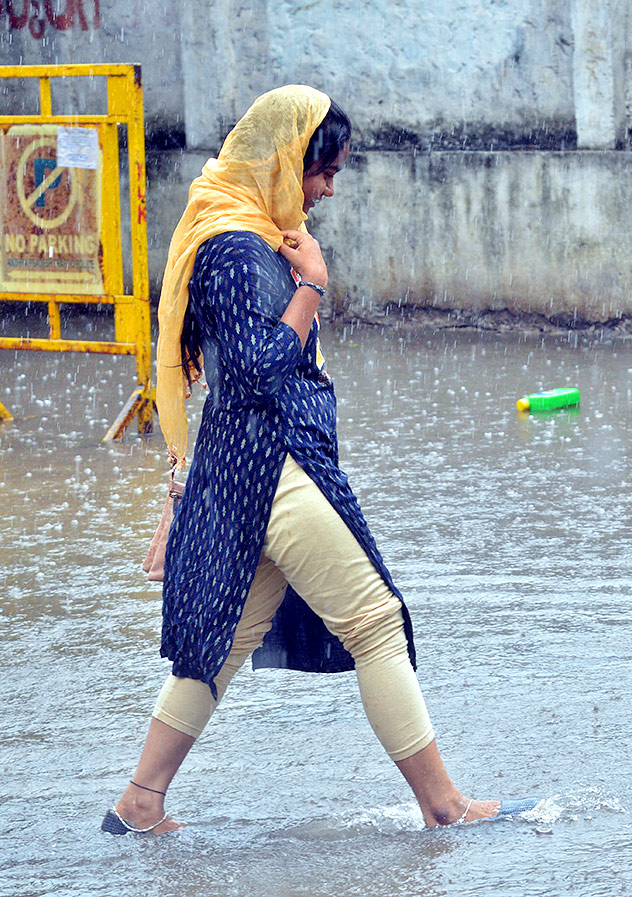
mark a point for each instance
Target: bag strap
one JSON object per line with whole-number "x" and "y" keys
{"x": 176, "y": 488}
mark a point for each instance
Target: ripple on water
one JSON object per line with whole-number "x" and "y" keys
{"x": 510, "y": 538}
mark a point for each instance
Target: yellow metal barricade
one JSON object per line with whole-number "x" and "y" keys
{"x": 60, "y": 220}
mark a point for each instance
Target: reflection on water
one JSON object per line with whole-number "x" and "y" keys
{"x": 510, "y": 537}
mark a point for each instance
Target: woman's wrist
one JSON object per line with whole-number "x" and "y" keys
{"x": 317, "y": 274}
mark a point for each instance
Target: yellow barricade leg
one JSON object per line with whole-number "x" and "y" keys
{"x": 141, "y": 404}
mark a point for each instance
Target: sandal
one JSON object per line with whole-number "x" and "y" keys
{"x": 114, "y": 824}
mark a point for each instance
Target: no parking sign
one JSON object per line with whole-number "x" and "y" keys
{"x": 61, "y": 235}
{"x": 50, "y": 210}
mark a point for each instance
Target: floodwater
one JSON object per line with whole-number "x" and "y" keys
{"x": 510, "y": 537}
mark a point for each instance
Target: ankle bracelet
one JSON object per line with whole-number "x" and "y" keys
{"x": 145, "y": 788}
{"x": 462, "y": 819}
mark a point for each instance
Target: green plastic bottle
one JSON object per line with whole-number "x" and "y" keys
{"x": 549, "y": 400}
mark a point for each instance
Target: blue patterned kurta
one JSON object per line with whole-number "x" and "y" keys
{"x": 267, "y": 397}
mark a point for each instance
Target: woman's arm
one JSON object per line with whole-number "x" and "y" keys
{"x": 306, "y": 258}
{"x": 239, "y": 298}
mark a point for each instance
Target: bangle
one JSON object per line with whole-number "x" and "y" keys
{"x": 314, "y": 286}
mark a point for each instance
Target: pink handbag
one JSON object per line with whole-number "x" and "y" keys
{"x": 154, "y": 563}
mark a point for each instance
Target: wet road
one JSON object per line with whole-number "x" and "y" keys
{"x": 509, "y": 536}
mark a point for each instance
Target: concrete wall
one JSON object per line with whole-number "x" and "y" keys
{"x": 435, "y": 70}
{"x": 473, "y": 72}
{"x": 41, "y": 32}
{"x": 545, "y": 232}
{"x": 491, "y": 163}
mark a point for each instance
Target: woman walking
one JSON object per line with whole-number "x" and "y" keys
{"x": 269, "y": 551}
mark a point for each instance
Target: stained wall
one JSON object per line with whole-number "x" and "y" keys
{"x": 491, "y": 160}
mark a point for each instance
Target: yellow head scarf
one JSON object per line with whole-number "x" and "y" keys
{"x": 254, "y": 185}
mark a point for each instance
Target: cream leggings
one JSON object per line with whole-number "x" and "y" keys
{"x": 308, "y": 545}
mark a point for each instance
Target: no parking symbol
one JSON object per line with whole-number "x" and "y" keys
{"x": 50, "y": 210}
{"x": 42, "y": 197}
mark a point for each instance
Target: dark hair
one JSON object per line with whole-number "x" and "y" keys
{"x": 328, "y": 139}
{"x": 331, "y": 135}
{"x": 190, "y": 346}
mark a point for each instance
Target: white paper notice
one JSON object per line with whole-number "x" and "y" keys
{"x": 77, "y": 148}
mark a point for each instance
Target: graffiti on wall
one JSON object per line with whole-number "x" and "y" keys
{"x": 36, "y": 15}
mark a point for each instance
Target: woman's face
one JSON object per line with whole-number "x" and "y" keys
{"x": 318, "y": 184}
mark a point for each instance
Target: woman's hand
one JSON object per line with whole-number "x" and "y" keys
{"x": 303, "y": 253}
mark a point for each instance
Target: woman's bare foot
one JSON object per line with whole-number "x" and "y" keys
{"x": 482, "y": 809}
{"x": 477, "y": 809}
{"x": 441, "y": 803}
{"x": 460, "y": 809}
